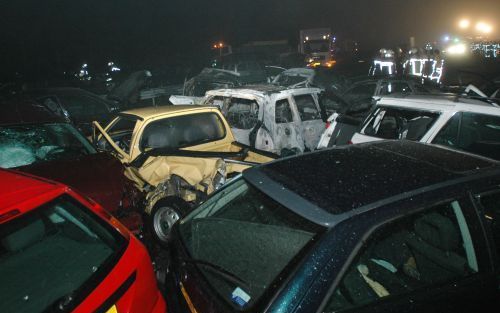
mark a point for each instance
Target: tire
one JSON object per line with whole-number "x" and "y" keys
{"x": 164, "y": 215}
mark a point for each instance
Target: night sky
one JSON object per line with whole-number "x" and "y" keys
{"x": 55, "y": 34}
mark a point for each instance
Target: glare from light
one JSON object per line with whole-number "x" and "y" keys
{"x": 457, "y": 49}
{"x": 446, "y": 38}
{"x": 484, "y": 27}
{"x": 464, "y": 24}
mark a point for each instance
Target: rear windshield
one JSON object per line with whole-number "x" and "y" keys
{"x": 183, "y": 131}
{"x": 54, "y": 256}
{"x": 26, "y": 144}
{"x": 243, "y": 232}
{"x": 399, "y": 123}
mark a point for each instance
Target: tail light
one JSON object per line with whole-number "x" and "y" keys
{"x": 349, "y": 142}
{"x": 327, "y": 125}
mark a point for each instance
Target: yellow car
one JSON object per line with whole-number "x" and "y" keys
{"x": 177, "y": 155}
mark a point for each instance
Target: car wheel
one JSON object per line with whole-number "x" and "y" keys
{"x": 164, "y": 215}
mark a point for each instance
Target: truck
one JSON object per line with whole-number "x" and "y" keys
{"x": 317, "y": 44}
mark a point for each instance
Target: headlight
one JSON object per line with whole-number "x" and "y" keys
{"x": 220, "y": 175}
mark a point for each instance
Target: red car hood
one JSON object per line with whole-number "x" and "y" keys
{"x": 99, "y": 176}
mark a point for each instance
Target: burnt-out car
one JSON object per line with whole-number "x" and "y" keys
{"x": 34, "y": 140}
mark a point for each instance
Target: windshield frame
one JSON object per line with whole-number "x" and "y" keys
{"x": 282, "y": 277}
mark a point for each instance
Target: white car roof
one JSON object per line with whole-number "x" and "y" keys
{"x": 442, "y": 103}
{"x": 260, "y": 91}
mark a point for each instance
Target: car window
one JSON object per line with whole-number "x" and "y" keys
{"x": 361, "y": 91}
{"x": 399, "y": 123}
{"x": 82, "y": 107}
{"x": 121, "y": 132}
{"x": 283, "y": 112}
{"x": 53, "y": 256}
{"x": 491, "y": 204}
{"x": 22, "y": 145}
{"x": 472, "y": 132}
{"x": 242, "y": 113}
{"x": 421, "y": 251}
{"x": 183, "y": 131}
{"x": 242, "y": 231}
{"x": 307, "y": 108}
{"x": 394, "y": 87}
{"x": 217, "y": 101}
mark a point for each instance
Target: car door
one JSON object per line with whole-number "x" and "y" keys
{"x": 488, "y": 203}
{"x": 311, "y": 123}
{"x": 472, "y": 132}
{"x": 433, "y": 260}
{"x": 286, "y": 132}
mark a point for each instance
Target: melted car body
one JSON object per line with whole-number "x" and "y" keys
{"x": 272, "y": 118}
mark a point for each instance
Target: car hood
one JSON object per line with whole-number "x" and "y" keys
{"x": 98, "y": 176}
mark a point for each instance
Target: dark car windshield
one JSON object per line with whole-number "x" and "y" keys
{"x": 27, "y": 144}
{"x": 54, "y": 256}
{"x": 242, "y": 232}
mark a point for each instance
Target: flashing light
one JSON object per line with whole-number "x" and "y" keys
{"x": 484, "y": 27}
{"x": 464, "y": 24}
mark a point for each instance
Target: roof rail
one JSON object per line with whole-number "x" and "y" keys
{"x": 456, "y": 97}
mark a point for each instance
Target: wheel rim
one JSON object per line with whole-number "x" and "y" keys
{"x": 163, "y": 221}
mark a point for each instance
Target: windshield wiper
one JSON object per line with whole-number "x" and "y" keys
{"x": 223, "y": 273}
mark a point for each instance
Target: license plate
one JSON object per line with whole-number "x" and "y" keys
{"x": 112, "y": 309}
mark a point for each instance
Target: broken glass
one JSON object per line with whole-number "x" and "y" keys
{"x": 27, "y": 144}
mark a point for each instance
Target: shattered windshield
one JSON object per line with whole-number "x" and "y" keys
{"x": 27, "y": 144}
{"x": 49, "y": 256}
{"x": 243, "y": 232}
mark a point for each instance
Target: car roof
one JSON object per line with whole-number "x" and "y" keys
{"x": 439, "y": 102}
{"x": 260, "y": 90}
{"x": 342, "y": 179}
{"x": 16, "y": 187}
{"x": 26, "y": 111}
{"x": 148, "y": 112}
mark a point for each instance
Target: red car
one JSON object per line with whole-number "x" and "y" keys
{"x": 61, "y": 252}
{"x": 36, "y": 140}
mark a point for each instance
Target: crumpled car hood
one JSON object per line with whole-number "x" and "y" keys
{"x": 98, "y": 176}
